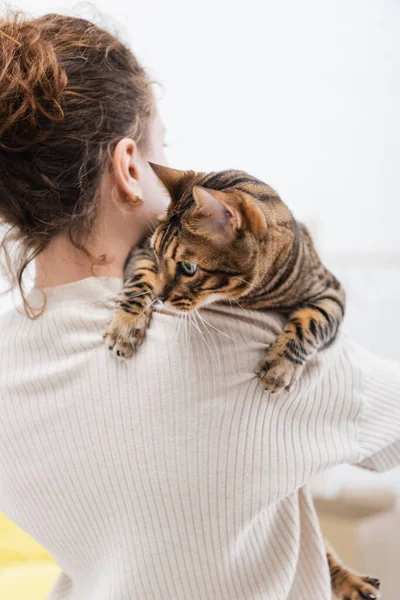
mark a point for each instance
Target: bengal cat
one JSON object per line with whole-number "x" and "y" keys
{"x": 228, "y": 236}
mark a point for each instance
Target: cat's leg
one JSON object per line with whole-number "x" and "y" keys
{"x": 311, "y": 326}
{"x": 133, "y": 311}
{"x": 347, "y": 584}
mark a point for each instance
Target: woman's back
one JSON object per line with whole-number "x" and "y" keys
{"x": 174, "y": 462}
{"x": 171, "y": 475}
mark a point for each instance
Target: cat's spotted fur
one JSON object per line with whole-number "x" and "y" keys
{"x": 229, "y": 236}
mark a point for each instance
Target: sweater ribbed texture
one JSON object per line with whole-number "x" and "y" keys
{"x": 173, "y": 475}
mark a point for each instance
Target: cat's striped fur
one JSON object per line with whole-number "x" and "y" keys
{"x": 243, "y": 244}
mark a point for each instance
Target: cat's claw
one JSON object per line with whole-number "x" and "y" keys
{"x": 278, "y": 374}
{"x": 119, "y": 347}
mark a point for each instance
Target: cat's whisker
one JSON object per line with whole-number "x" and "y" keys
{"x": 128, "y": 297}
{"x": 178, "y": 325}
{"x": 184, "y": 330}
{"x": 230, "y": 302}
{"x": 195, "y": 316}
{"x": 188, "y": 330}
{"x": 149, "y": 222}
{"x": 203, "y": 322}
{"x": 186, "y": 335}
{"x": 184, "y": 327}
{"x": 159, "y": 305}
{"x": 242, "y": 307}
{"x": 193, "y": 321}
{"x": 240, "y": 279}
{"x": 146, "y": 308}
{"x": 216, "y": 329}
{"x": 152, "y": 223}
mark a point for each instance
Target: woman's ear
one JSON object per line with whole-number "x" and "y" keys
{"x": 126, "y": 174}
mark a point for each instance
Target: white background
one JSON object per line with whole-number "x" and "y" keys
{"x": 304, "y": 94}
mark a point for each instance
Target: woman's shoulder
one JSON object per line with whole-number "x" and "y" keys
{"x": 263, "y": 326}
{"x": 10, "y": 314}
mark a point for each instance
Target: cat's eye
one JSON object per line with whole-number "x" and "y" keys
{"x": 188, "y": 268}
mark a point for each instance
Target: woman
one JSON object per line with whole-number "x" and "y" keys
{"x": 172, "y": 475}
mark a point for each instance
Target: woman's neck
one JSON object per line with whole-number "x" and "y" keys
{"x": 62, "y": 263}
{"x": 107, "y": 247}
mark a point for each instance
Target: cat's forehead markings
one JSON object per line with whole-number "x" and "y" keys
{"x": 166, "y": 236}
{"x": 171, "y": 251}
{"x": 185, "y": 255}
{"x": 170, "y": 267}
{"x": 157, "y": 241}
{"x": 187, "y": 252}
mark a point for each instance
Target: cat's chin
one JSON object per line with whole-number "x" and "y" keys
{"x": 172, "y": 308}
{"x": 210, "y": 300}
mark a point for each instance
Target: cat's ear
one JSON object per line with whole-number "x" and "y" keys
{"x": 217, "y": 206}
{"x": 172, "y": 179}
{"x": 229, "y": 211}
{"x": 254, "y": 217}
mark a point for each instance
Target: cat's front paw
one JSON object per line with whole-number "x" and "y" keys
{"x": 278, "y": 373}
{"x": 125, "y": 333}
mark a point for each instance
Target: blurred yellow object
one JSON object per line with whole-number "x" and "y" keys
{"x": 27, "y": 571}
{"x": 27, "y": 581}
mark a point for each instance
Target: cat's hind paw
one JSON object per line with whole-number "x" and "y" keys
{"x": 357, "y": 587}
{"x": 278, "y": 373}
{"x": 125, "y": 333}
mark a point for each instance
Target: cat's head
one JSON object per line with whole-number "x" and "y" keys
{"x": 208, "y": 244}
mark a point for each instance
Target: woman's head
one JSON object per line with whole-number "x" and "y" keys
{"x": 75, "y": 104}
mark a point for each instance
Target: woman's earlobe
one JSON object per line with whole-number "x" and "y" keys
{"x": 131, "y": 201}
{"x": 136, "y": 199}
{"x": 126, "y": 202}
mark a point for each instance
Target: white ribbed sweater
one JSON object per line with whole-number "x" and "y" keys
{"x": 172, "y": 475}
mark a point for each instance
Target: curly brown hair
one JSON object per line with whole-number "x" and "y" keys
{"x": 69, "y": 91}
